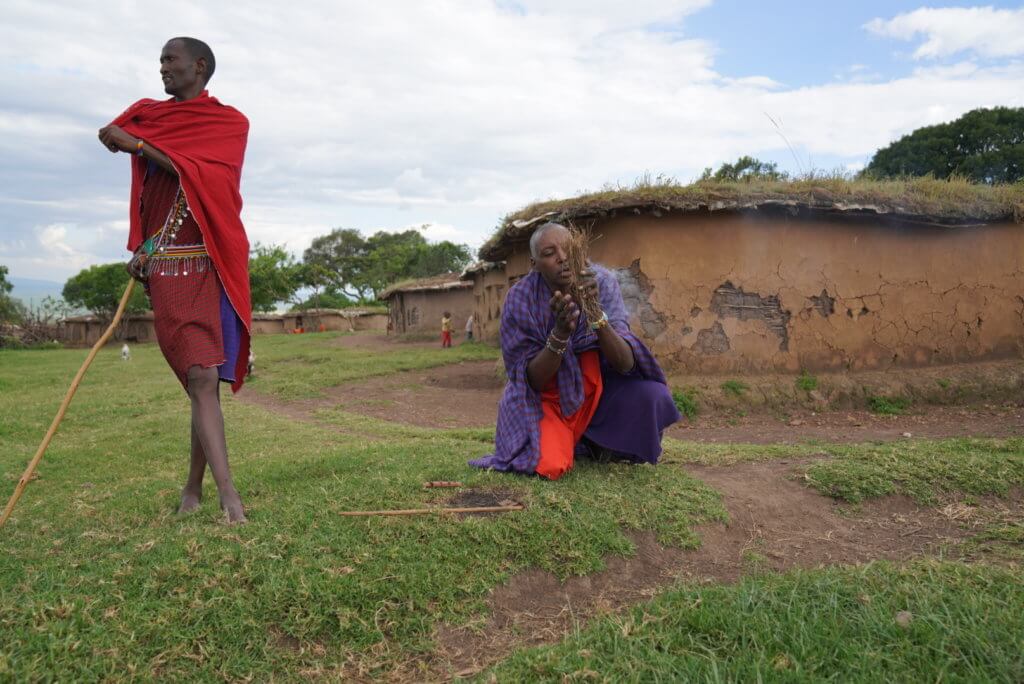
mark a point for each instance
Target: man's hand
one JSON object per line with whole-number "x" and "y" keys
{"x": 116, "y": 140}
{"x": 588, "y": 284}
{"x": 566, "y": 313}
{"x": 135, "y": 266}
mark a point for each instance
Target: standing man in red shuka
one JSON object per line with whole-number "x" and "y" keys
{"x": 189, "y": 245}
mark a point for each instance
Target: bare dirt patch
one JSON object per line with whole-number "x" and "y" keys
{"x": 466, "y": 395}
{"x": 775, "y": 524}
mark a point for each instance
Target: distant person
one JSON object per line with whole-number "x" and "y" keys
{"x": 126, "y": 353}
{"x": 190, "y": 248}
{"x": 469, "y": 328}
{"x": 446, "y": 330}
{"x": 250, "y": 367}
{"x": 574, "y": 386}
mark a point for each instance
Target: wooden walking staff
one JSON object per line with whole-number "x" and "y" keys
{"x": 23, "y": 482}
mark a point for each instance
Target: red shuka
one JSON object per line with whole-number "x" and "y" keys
{"x": 205, "y": 141}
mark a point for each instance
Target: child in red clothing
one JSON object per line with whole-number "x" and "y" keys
{"x": 446, "y": 329}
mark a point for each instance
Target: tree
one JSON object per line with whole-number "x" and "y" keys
{"x": 11, "y": 309}
{"x": 984, "y": 145}
{"x": 274, "y": 276}
{"x": 442, "y": 257}
{"x": 746, "y": 168}
{"x": 325, "y": 300}
{"x": 99, "y": 289}
{"x": 346, "y": 264}
{"x": 334, "y": 261}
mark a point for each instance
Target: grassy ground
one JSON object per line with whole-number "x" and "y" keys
{"x": 296, "y": 366}
{"x": 961, "y": 623}
{"x": 99, "y": 579}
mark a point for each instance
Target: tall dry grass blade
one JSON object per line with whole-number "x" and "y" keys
{"x": 578, "y": 256}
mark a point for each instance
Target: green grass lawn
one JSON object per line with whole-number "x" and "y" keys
{"x": 296, "y": 366}
{"x": 99, "y": 579}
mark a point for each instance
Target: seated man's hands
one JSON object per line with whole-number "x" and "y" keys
{"x": 566, "y": 314}
{"x": 588, "y": 284}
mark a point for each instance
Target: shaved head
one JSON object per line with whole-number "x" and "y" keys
{"x": 198, "y": 49}
{"x": 539, "y": 233}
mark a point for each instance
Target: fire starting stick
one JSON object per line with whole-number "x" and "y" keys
{"x": 441, "y": 483}
{"x": 23, "y": 482}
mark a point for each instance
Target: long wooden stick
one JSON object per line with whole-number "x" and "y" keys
{"x": 422, "y": 511}
{"x": 64, "y": 405}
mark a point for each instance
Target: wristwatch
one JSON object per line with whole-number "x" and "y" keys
{"x": 600, "y": 323}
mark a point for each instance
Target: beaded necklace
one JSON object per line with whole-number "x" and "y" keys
{"x": 174, "y": 259}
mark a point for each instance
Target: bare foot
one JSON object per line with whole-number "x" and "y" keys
{"x": 231, "y": 504}
{"x": 190, "y": 499}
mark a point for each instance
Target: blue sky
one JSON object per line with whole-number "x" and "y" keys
{"x": 450, "y": 114}
{"x": 801, "y": 43}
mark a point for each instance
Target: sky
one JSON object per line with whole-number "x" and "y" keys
{"x": 450, "y": 114}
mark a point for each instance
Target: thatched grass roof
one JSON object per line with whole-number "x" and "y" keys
{"x": 445, "y": 281}
{"x": 926, "y": 201}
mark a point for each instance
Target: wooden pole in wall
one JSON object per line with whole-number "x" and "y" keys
{"x": 23, "y": 482}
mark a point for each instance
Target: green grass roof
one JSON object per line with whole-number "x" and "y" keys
{"x": 954, "y": 202}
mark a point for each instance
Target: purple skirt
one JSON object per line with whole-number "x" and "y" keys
{"x": 631, "y": 415}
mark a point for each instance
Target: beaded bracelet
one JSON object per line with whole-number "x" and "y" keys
{"x": 556, "y": 338}
{"x": 138, "y": 147}
{"x": 554, "y": 349}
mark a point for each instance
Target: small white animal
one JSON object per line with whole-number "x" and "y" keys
{"x": 126, "y": 353}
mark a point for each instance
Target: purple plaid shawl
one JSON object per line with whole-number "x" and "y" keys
{"x": 526, "y": 320}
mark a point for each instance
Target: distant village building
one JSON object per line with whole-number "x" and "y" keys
{"x": 85, "y": 330}
{"x": 817, "y": 275}
{"x": 416, "y": 306}
{"x": 489, "y": 283}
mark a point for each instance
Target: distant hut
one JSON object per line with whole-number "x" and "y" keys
{"x": 86, "y": 329}
{"x": 417, "y": 305}
{"x": 489, "y": 286}
{"x": 348, "y": 320}
{"x": 818, "y": 275}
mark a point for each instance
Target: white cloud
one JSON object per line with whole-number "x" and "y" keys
{"x": 394, "y": 114}
{"x": 985, "y": 31}
{"x": 54, "y": 240}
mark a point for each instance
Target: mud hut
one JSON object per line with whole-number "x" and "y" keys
{"x": 490, "y": 283}
{"x": 819, "y": 275}
{"x": 86, "y": 329}
{"x": 416, "y": 306}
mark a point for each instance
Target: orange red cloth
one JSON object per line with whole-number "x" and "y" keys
{"x": 558, "y": 434}
{"x": 205, "y": 141}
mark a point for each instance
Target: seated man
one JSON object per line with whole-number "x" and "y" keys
{"x": 569, "y": 378}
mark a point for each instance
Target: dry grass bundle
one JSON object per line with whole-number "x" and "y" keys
{"x": 578, "y": 255}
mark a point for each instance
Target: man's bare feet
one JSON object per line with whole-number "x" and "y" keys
{"x": 190, "y": 499}
{"x": 231, "y": 504}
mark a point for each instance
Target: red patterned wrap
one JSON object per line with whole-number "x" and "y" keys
{"x": 205, "y": 141}
{"x": 186, "y": 300}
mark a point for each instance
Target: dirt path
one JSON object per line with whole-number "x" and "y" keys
{"x": 466, "y": 395}
{"x": 775, "y": 523}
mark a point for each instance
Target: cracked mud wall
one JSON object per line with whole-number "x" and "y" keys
{"x": 757, "y": 292}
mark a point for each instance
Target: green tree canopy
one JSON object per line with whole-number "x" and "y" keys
{"x": 11, "y": 309}
{"x": 99, "y": 289}
{"x": 274, "y": 276}
{"x": 985, "y": 145}
{"x": 745, "y": 168}
{"x": 334, "y": 262}
{"x": 346, "y": 263}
